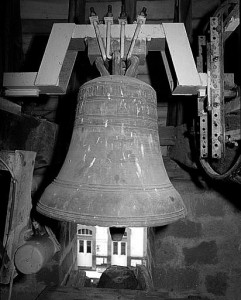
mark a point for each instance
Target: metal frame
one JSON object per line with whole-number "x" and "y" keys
{"x": 222, "y": 24}
{"x": 212, "y": 107}
{"x": 202, "y": 113}
{"x": 66, "y": 40}
{"x": 216, "y": 87}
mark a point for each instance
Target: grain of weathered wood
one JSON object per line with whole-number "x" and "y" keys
{"x": 54, "y": 54}
{"x": 10, "y": 106}
{"x": 184, "y": 65}
{"x": 24, "y": 132}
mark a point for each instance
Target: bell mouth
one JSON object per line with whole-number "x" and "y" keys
{"x": 117, "y": 233}
{"x": 109, "y": 208}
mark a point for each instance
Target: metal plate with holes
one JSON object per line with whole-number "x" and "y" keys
{"x": 216, "y": 92}
{"x": 203, "y": 136}
{"x": 202, "y": 113}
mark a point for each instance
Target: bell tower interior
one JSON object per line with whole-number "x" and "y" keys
{"x": 120, "y": 162}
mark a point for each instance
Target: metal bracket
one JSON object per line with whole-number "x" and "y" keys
{"x": 140, "y": 21}
{"x": 67, "y": 39}
{"x": 94, "y": 20}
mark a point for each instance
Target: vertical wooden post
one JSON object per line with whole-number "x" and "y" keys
{"x": 183, "y": 14}
{"x": 130, "y": 6}
{"x": 80, "y": 11}
{"x": 76, "y": 15}
{"x": 76, "y": 11}
{"x": 12, "y": 36}
{"x": 71, "y": 15}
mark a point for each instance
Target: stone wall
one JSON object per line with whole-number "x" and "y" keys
{"x": 201, "y": 254}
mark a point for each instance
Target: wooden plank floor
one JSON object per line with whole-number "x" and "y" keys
{"x": 70, "y": 293}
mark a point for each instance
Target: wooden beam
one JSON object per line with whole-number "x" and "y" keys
{"x": 80, "y": 11}
{"x": 20, "y": 84}
{"x": 21, "y": 165}
{"x": 59, "y": 44}
{"x": 233, "y": 105}
{"x": 54, "y": 54}
{"x": 67, "y": 69}
{"x": 188, "y": 80}
{"x": 21, "y": 79}
{"x": 148, "y": 31}
{"x": 130, "y": 6}
{"x": 76, "y": 11}
{"x": 71, "y": 14}
{"x": 183, "y": 14}
{"x": 231, "y": 22}
{"x": 24, "y": 132}
{"x": 10, "y": 106}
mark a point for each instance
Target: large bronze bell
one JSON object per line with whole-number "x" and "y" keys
{"x": 114, "y": 174}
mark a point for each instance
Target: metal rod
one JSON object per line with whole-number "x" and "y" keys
{"x": 138, "y": 28}
{"x": 141, "y": 19}
{"x": 108, "y": 39}
{"x": 122, "y": 39}
{"x": 108, "y": 21}
{"x": 100, "y": 42}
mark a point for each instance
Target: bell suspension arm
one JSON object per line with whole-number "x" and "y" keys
{"x": 94, "y": 21}
{"x": 141, "y": 19}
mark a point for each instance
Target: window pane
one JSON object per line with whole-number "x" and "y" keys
{"x": 123, "y": 248}
{"x": 88, "y": 246}
{"x": 115, "y": 247}
{"x": 81, "y": 246}
{"x": 79, "y": 231}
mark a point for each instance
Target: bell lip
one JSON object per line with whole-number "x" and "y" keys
{"x": 107, "y": 221}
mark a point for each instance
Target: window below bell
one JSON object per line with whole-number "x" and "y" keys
{"x": 123, "y": 248}
{"x": 115, "y": 248}
{"x": 88, "y": 246}
{"x": 81, "y": 246}
{"x": 85, "y": 231}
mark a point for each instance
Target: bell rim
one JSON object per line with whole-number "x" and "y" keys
{"x": 110, "y": 221}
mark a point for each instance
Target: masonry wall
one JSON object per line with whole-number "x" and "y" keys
{"x": 201, "y": 254}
